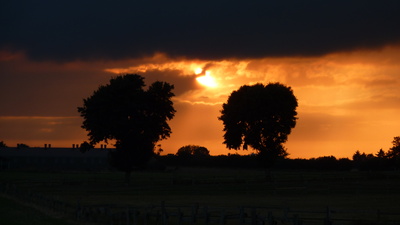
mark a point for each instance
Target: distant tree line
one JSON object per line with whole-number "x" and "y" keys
{"x": 136, "y": 117}
{"x": 199, "y": 156}
{"x": 382, "y": 160}
{"x": 251, "y": 161}
{"x": 193, "y": 155}
{"x": 131, "y": 114}
{"x": 325, "y": 163}
{"x": 3, "y": 144}
{"x": 20, "y": 145}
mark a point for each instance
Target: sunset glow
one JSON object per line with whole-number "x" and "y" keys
{"x": 346, "y": 80}
{"x": 198, "y": 70}
{"x": 207, "y": 80}
{"x": 347, "y": 102}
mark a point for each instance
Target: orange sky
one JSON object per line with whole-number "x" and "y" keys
{"x": 347, "y": 101}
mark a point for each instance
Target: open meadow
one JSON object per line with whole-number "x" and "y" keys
{"x": 365, "y": 195}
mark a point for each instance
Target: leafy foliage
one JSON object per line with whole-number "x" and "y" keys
{"x": 260, "y": 117}
{"x": 394, "y": 151}
{"x": 3, "y": 144}
{"x": 131, "y": 116}
{"x": 381, "y": 160}
{"x": 85, "y": 146}
{"x": 22, "y": 145}
{"x": 193, "y": 150}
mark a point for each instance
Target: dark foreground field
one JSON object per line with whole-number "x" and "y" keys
{"x": 357, "y": 196}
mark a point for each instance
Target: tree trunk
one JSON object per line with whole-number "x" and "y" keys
{"x": 128, "y": 177}
{"x": 267, "y": 175}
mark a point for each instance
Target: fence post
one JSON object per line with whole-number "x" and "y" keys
{"x": 145, "y": 217}
{"x": 378, "y": 215}
{"x": 206, "y": 214}
{"x": 195, "y": 209}
{"x": 78, "y": 210}
{"x": 163, "y": 214}
{"x": 222, "y": 217}
{"x": 127, "y": 216}
{"x": 253, "y": 216}
{"x": 270, "y": 218}
{"x": 295, "y": 219}
{"x": 111, "y": 218}
{"x": 241, "y": 215}
{"x": 107, "y": 213}
{"x": 328, "y": 216}
{"x": 135, "y": 222}
{"x": 285, "y": 214}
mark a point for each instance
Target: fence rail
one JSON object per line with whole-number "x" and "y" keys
{"x": 164, "y": 213}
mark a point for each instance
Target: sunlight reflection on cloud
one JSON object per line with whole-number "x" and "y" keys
{"x": 328, "y": 80}
{"x": 347, "y": 101}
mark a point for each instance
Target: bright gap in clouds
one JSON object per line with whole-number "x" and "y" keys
{"x": 347, "y": 102}
{"x": 342, "y": 98}
{"x": 206, "y": 79}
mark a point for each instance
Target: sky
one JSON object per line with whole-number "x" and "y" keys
{"x": 341, "y": 58}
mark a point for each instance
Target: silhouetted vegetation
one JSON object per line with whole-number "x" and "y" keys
{"x": 190, "y": 153}
{"x": 251, "y": 162}
{"x": 394, "y": 152}
{"x": 22, "y": 145}
{"x": 260, "y": 117}
{"x": 198, "y": 156}
{"x": 193, "y": 151}
{"x": 2, "y": 144}
{"x": 85, "y": 146}
{"x": 382, "y": 160}
{"x": 131, "y": 116}
{"x": 324, "y": 163}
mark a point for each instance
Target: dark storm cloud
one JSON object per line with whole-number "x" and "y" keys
{"x": 41, "y": 128}
{"x": 46, "y": 88}
{"x": 185, "y": 83}
{"x": 68, "y": 30}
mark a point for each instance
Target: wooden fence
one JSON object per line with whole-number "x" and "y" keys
{"x": 164, "y": 213}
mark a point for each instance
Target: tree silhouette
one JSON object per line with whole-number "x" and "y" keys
{"x": 357, "y": 156}
{"x": 381, "y": 154}
{"x": 260, "y": 117}
{"x": 85, "y": 146}
{"x": 3, "y": 144}
{"x": 394, "y": 152}
{"x": 22, "y": 145}
{"x": 193, "y": 150}
{"x": 191, "y": 155}
{"x": 131, "y": 116}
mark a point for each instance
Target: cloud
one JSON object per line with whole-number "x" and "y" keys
{"x": 29, "y": 88}
{"x": 196, "y": 124}
{"x": 347, "y": 100}
{"x": 324, "y": 133}
{"x": 36, "y": 131}
{"x": 91, "y": 30}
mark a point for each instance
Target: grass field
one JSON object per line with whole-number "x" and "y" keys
{"x": 218, "y": 188}
{"x": 13, "y": 212}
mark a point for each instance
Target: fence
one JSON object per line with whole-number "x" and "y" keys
{"x": 164, "y": 214}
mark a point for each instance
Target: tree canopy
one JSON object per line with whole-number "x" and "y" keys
{"x": 259, "y": 116}
{"x": 22, "y": 145}
{"x": 85, "y": 146}
{"x": 193, "y": 150}
{"x": 394, "y": 151}
{"x": 135, "y": 118}
{"x": 3, "y": 144}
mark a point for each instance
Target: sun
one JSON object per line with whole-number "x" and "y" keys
{"x": 206, "y": 80}
{"x": 198, "y": 71}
